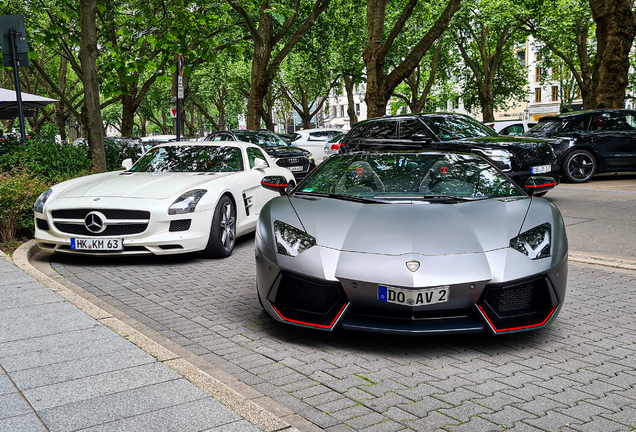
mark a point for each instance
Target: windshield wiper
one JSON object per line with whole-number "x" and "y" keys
{"x": 453, "y": 197}
{"x": 353, "y": 198}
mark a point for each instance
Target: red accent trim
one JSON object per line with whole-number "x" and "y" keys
{"x": 543, "y": 185}
{"x": 277, "y": 185}
{"x": 515, "y": 328}
{"x": 310, "y": 324}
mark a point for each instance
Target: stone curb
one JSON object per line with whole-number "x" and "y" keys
{"x": 606, "y": 261}
{"x": 252, "y": 412}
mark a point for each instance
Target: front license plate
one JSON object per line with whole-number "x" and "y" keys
{"x": 541, "y": 169}
{"x": 420, "y": 297}
{"x": 296, "y": 168}
{"x": 97, "y": 244}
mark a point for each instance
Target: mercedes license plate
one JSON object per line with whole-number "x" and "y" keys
{"x": 541, "y": 169}
{"x": 413, "y": 297}
{"x": 115, "y": 244}
{"x": 296, "y": 168}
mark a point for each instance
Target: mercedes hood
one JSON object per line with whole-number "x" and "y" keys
{"x": 123, "y": 184}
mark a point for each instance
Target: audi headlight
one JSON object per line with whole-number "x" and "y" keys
{"x": 38, "y": 207}
{"x": 187, "y": 202}
{"x": 500, "y": 157}
{"x": 291, "y": 241}
{"x": 535, "y": 243}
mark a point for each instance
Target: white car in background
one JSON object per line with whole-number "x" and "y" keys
{"x": 314, "y": 140}
{"x": 511, "y": 127}
{"x": 179, "y": 197}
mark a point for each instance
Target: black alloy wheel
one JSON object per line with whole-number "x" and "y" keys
{"x": 579, "y": 166}
{"x": 223, "y": 230}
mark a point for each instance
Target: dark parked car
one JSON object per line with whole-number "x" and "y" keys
{"x": 296, "y": 159}
{"x": 518, "y": 157}
{"x": 590, "y": 142}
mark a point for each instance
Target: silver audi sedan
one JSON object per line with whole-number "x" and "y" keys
{"x": 411, "y": 243}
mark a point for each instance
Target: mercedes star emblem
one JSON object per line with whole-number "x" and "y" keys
{"x": 94, "y": 222}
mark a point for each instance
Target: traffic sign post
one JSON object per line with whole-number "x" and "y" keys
{"x": 15, "y": 53}
{"x": 179, "y": 95}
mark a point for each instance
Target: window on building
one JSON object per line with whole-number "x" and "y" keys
{"x": 555, "y": 93}
{"x": 555, "y": 74}
{"x": 342, "y": 111}
{"x": 537, "y": 57}
{"x": 537, "y": 95}
{"x": 537, "y": 74}
{"x": 456, "y": 103}
{"x": 521, "y": 55}
{"x": 357, "y": 109}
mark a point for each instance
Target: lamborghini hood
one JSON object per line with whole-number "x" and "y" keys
{"x": 426, "y": 228}
{"x": 138, "y": 185}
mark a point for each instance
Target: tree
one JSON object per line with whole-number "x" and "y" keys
{"x": 271, "y": 34}
{"x": 91, "y": 110}
{"x": 381, "y": 83}
{"x": 563, "y": 30}
{"x": 485, "y": 38}
{"x": 615, "y": 31}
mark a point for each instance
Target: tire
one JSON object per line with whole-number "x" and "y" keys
{"x": 579, "y": 166}
{"x": 223, "y": 230}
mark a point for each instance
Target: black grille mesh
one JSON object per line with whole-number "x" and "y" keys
{"x": 521, "y": 296}
{"x": 534, "y": 153}
{"x": 109, "y": 213}
{"x": 111, "y": 230}
{"x": 295, "y": 161}
{"x": 180, "y": 225}
{"x": 42, "y": 224}
{"x": 302, "y": 294}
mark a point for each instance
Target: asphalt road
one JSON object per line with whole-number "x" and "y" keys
{"x": 600, "y": 215}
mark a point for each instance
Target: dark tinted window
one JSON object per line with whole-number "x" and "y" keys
{"x": 551, "y": 125}
{"x": 452, "y": 127}
{"x": 381, "y": 130}
{"x": 190, "y": 159}
{"x": 410, "y": 127}
{"x": 613, "y": 122}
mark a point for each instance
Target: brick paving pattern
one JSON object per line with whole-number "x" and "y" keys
{"x": 577, "y": 375}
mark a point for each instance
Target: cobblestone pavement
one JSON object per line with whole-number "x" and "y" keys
{"x": 577, "y": 375}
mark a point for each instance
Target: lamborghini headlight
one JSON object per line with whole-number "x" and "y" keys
{"x": 291, "y": 241}
{"x": 187, "y": 202}
{"x": 535, "y": 243}
{"x": 39, "y": 204}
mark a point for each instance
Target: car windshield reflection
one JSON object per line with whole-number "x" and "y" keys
{"x": 190, "y": 159}
{"x": 408, "y": 177}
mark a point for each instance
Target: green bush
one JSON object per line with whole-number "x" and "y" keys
{"x": 18, "y": 192}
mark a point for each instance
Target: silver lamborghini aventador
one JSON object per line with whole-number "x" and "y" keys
{"x": 411, "y": 242}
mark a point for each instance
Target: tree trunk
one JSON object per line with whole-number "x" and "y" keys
{"x": 90, "y": 79}
{"x": 351, "y": 105}
{"x": 615, "y": 31}
{"x": 128, "y": 110}
{"x": 487, "y": 102}
{"x": 61, "y": 115}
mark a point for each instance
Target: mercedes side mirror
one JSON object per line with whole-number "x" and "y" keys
{"x": 260, "y": 164}
{"x": 127, "y": 164}
{"x": 538, "y": 184}
{"x": 275, "y": 183}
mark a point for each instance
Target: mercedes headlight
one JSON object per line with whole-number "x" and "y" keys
{"x": 535, "y": 243}
{"x": 291, "y": 241}
{"x": 500, "y": 157}
{"x": 39, "y": 204}
{"x": 187, "y": 202}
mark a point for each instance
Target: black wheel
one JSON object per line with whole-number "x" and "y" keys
{"x": 579, "y": 166}
{"x": 223, "y": 230}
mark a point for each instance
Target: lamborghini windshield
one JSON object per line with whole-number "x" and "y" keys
{"x": 190, "y": 158}
{"x": 412, "y": 176}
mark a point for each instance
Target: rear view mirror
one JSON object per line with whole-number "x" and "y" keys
{"x": 127, "y": 164}
{"x": 538, "y": 184}
{"x": 260, "y": 163}
{"x": 275, "y": 183}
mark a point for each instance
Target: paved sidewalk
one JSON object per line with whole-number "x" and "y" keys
{"x": 61, "y": 370}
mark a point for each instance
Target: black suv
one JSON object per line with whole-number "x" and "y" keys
{"x": 518, "y": 157}
{"x": 298, "y": 160}
{"x": 589, "y": 142}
